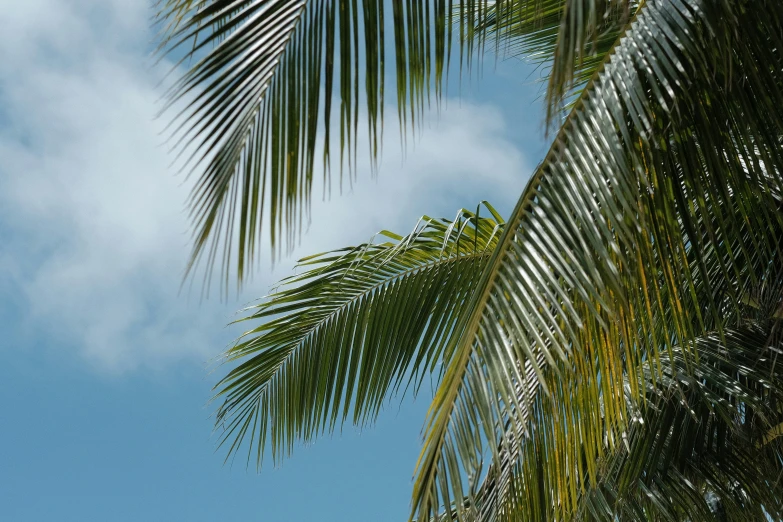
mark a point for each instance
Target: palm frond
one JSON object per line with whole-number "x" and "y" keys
{"x": 260, "y": 102}
{"x": 568, "y": 38}
{"x": 640, "y": 232}
{"x": 259, "y": 98}
{"x": 354, "y": 326}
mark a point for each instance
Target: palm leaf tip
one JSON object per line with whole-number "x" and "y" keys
{"x": 336, "y": 340}
{"x": 570, "y": 39}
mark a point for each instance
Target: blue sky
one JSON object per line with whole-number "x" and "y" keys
{"x": 104, "y": 367}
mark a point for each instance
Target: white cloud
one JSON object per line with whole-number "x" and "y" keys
{"x": 94, "y": 218}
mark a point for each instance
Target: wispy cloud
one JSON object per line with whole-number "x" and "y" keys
{"x": 95, "y": 236}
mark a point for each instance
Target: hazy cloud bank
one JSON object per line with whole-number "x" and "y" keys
{"x": 94, "y": 237}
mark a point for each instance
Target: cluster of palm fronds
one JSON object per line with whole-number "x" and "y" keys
{"x": 610, "y": 351}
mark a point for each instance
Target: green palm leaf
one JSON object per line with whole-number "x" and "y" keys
{"x": 658, "y": 189}
{"x": 692, "y": 450}
{"x": 356, "y": 324}
{"x": 259, "y": 101}
{"x": 704, "y": 431}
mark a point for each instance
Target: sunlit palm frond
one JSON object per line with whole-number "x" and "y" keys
{"x": 697, "y": 450}
{"x": 640, "y": 232}
{"x": 703, "y": 446}
{"x": 335, "y": 340}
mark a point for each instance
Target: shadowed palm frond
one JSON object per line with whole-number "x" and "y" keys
{"x": 696, "y": 453}
{"x": 355, "y": 325}
{"x": 269, "y": 78}
{"x": 654, "y": 212}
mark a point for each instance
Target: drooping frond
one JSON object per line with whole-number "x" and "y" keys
{"x": 273, "y": 81}
{"x": 568, "y": 38}
{"x": 654, "y": 212}
{"x": 335, "y": 340}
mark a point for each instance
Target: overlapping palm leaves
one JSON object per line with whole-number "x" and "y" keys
{"x": 672, "y": 147}
{"x": 575, "y": 36}
{"x": 701, "y": 443}
{"x": 698, "y": 452}
{"x": 617, "y": 293}
{"x": 650, "y": 169}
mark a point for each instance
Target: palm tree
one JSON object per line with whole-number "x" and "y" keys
{"x": 609, "y": 351}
